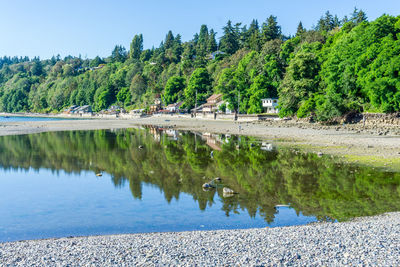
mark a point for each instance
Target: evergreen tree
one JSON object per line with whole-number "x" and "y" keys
{"x": 212, "y": 43}
{"x": 203, "y": 36}
{"x": 358, "y": 16}
{"x": 37, "y": 68}
{"x": 229, "y": 42}
{"x": 300, "y": 29}
{"x": 136, "y": 46}
{"x": 271, "y": 30}
{"x": 169, "y": 40}
{"x": 118, "y": 54}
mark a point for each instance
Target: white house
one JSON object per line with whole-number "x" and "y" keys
{"x": 174, "y": 107}
{"x": 270, "y": 105}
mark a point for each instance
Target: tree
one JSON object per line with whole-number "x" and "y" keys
{"x": 271, "y": 30}
{"x": 136, "y": 46}
{"x": 174, "y": 89}
{"x": 300, "y": 29}
{"x": 252, "y": 36}
{"x": 200, "y": 85}
{"x": 228, "y": 86}
{"x": 37, "y": 68}
{"x": 300, "y": 81}
{"x": 358, "y": 16}
{"x": 118, "y": 54}
{"x": 138, "y": 86}
{"x": 212, "y": 43}
{"x": 96, "y": 62}
{"x": 169, "y": 40}
{"x": 229, "y": 42}
{"x": 258, "y": 90}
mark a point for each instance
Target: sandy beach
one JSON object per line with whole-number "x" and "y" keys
{"x": 351, "y": 142}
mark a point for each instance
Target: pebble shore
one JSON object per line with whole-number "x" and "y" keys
{"x": 362, "y": 242}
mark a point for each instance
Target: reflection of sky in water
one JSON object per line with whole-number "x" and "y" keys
{"x": 42, "y": 204}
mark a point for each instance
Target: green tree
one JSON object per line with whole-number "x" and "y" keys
{"x": 174, "y": 89}
{"x": 118, "y": 54}
{"x": 199, "y": 85}
{"x": 136, "y": 46}
{"x": 37, "y": 68}
{"x": 229, "y": 42}
{"x": 271, "y": 30}
{"x": 300, "y": 81}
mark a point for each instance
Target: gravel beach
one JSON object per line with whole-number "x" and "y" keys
{"x": 362, "y": 242}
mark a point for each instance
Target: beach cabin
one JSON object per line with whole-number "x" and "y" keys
{"x": 213, "y": 103}
{"x": 270, "y": 105}
{"x": 174, "y": 107}
{"x": 84, "y": 110}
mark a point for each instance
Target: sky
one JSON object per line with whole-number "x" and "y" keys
{"x": 93, "y": 27}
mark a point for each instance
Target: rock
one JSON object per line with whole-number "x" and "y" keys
{"x": 227, "y": 190}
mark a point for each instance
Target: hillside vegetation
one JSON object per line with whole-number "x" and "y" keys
{"x": 340, "y": 65}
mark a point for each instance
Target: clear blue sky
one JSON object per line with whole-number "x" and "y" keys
{"x": 93, "y": 27}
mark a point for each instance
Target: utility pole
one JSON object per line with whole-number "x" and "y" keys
{"x": 238, "y": 101}
{"x": 195, "y": 106}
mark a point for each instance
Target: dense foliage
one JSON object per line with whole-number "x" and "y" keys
{"x": 341, "y": 65}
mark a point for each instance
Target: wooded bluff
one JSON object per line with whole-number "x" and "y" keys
{"x": 340, "y": 65}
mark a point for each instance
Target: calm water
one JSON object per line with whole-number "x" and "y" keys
{"x": 27, "y": 118}
{"x": 49, "y": 187}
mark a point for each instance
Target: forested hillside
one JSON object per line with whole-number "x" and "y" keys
{"x": 339, "y": 65}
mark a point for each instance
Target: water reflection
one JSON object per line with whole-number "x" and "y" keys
{"x": 181, "y": 162}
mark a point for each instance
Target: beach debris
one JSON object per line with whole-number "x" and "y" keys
{"x": 99, "y": 174}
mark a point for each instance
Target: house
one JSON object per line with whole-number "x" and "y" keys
{"x": 71, "y": 109}
{"x": 84, "y": 110}
{"x": 213, "y": 103}
{"x": 270, "y": 105}
{"x": 174, "y": 107}
{"x": 137, "y": 111}
{"x": 157, "y": 104}
{"x": 213, "y": 55}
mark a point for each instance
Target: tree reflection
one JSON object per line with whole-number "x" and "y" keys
{"x": 182, "y": 162}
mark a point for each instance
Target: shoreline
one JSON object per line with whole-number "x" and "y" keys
{"x": 347, "y": 142}
{"x": 366, "y": 241}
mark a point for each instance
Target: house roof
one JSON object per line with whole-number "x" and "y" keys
{"x": 214, "y": 97}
